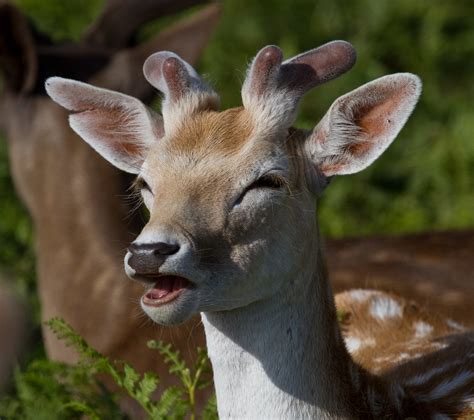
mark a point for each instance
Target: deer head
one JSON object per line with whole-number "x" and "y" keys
{"x": 232, "y": 194}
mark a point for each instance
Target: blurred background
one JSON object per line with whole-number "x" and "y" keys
{"x": 424, "y": 182}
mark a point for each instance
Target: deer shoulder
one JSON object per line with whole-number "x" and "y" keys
{"x": 428, "y": 356}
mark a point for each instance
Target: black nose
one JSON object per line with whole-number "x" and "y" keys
{"x": 146, "y": 259}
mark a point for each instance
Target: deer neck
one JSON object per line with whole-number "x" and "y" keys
{"x": 283, "y": 357}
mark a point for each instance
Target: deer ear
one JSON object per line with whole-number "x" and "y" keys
{"x": 18, "y": 61}
{"x": 119, "y": 127}
{"x": 360, "y": 125}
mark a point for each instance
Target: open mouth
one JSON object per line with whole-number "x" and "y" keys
{"x": 166, "y": 289}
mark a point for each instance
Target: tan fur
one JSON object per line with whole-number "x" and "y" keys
{"x": 223, "y": 133}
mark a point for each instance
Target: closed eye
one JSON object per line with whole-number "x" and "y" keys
{"x": 141, "y": 185}
{"x": 268, "y": 181}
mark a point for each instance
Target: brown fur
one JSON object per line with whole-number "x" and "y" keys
{"x": 385, "y": 343}
{"x": 434, "y": 269}
{"x": 418, "y": 361}
{"x": 223, "y": 133}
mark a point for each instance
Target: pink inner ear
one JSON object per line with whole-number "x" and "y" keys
{"x": 265, "y": 68}
{"x": 330, "y": 169}
{"x": 108, "y": 125}
{"x": 374, "y": 119}
{"x": 177, "y": 78}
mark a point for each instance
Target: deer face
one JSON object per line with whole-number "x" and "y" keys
{"x": 232, "y": 194}
{"x": 220, "y": 197}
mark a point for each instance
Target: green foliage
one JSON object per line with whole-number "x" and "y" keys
{"x": 49, "y": 390}
{"x": 16, "y": 237}
{"x": 61, "y": 20}
{"x": 53, "y": 390}
{"x": 196, "y": 379}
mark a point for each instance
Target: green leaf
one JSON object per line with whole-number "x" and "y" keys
{"x": 210, "y": 410}
{"x": 82, "y": 408}
{"x": 146, "y": 387}
{"x": 171, "y": 404}
{"x": 130, "y": 379}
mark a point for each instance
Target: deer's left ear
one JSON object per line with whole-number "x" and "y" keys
{"x": 360, "y": 125}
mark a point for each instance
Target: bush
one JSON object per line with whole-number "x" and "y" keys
{"x": 51, "y": 390}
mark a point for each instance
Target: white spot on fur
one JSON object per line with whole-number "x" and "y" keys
{"x": 383, "y": 359}
{"x": 439, "y": 346}
{"x": 402, "y": 356}
{"x": 353, "y": 344}
{"x": 422, "y": 329}
{"x": 455, "y": 325}
{"x": 383, "y": 307}
{"x": 361, "y": 295}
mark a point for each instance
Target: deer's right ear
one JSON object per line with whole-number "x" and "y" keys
{"x": 361, "y": 124}
{"x": 119, "y": 127}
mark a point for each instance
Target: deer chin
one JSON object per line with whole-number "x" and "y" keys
{"x": 170, "y": 300}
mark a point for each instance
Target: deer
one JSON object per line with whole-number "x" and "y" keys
{"x": 56, "y": 176}
{"x": 431, "y": 268}
{"x": 233, "y": 235}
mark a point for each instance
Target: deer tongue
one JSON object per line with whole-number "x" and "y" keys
{"x": 166, "y": 285}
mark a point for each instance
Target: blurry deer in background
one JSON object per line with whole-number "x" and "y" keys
{"x": 75, "y": 198}
{"x": 436, "y": 269}
{"x": 233, "y": 235}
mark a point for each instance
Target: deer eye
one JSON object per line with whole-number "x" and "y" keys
{"x": 268, "y": 181}
{"x": 140, "y": 185}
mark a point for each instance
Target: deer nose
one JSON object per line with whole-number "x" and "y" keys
{"x": 146, "y": 259}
